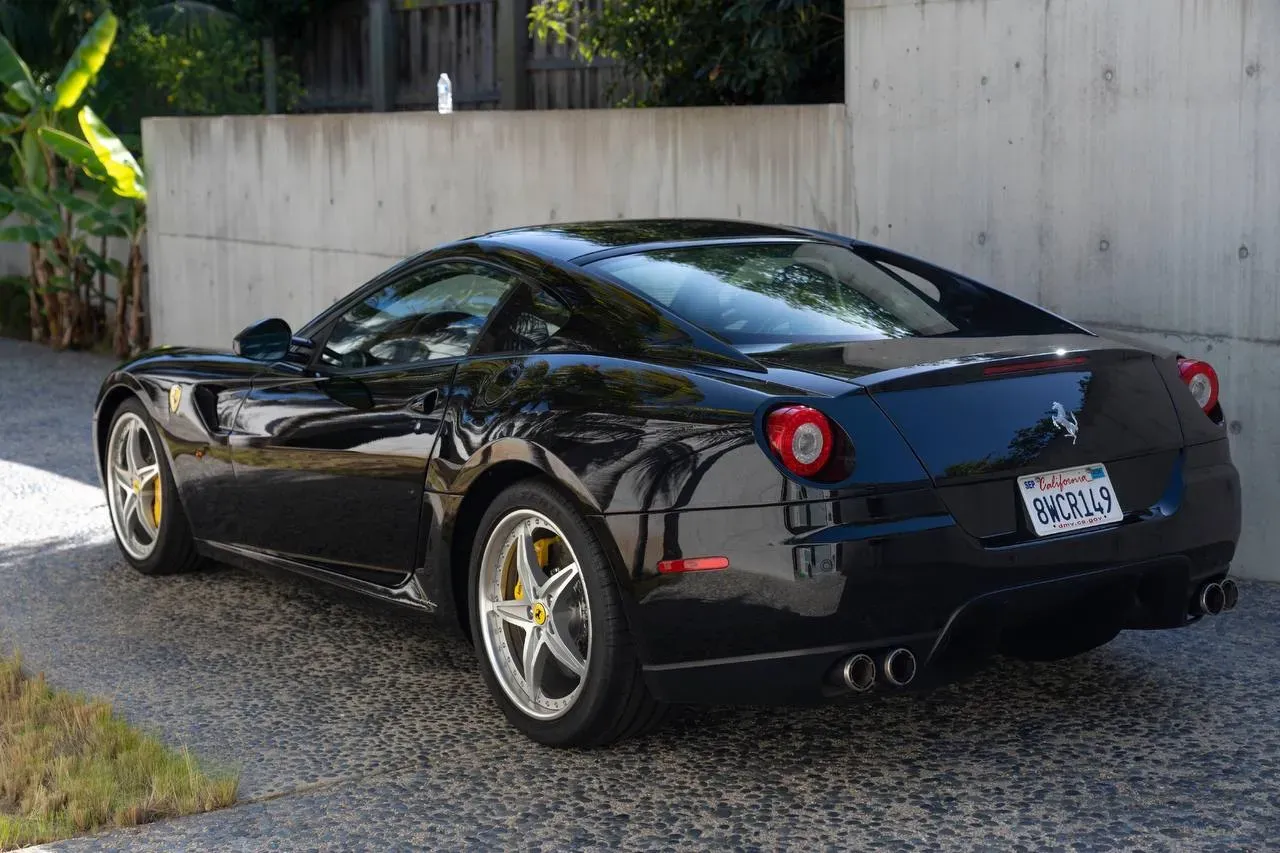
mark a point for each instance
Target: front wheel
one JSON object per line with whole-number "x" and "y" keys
{"x": 548, "y": 625}
{"x": 146, "y": 515}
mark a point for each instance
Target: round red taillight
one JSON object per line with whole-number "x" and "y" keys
{"x": 801, "y": 437}
{"x": 1201, "y": 381}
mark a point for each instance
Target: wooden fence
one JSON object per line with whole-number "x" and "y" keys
{"x": 384, "y": 55}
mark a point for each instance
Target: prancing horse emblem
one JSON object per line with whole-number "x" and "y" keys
{"x": 175, "y": 398}
{"x": 1065, "y": 421}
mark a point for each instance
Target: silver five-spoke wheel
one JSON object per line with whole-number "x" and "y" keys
{"x": 535, "y": 614}
{"x": 134, "y": 491}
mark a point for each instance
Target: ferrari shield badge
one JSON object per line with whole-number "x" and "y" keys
{"x": 175, "y": 398}
{"x": 1065, "y": 421}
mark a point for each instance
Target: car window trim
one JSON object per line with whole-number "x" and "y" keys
{"x": 590, "y": 258}
{"x": 321, "y": 340}
{"x": 506, "y": 300}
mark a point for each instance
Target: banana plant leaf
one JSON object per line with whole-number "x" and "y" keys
{"x": 16, "y": 76}
{"x": 78, "y": 205}
{"x": 27, "y": 234}
{"x": 74, "y": 151}
{"x": 100, "y": 225}
{"x": 10, "y": 123}
{"x": 107, "y": 198}
{"x": 126, "y": 174}
{"x": 39, "y": 208}
{"x": 33, "y": 164}
{"x": 86, "y": 62}
{"x": 98, "y": 263}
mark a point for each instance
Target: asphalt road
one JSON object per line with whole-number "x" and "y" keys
{"x": 358, "y": 729}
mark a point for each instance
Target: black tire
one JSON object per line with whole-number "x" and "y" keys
{"x": 615, "y": 702}
{"x": 1058, "y": 641}
{"x": 175, "y": 549}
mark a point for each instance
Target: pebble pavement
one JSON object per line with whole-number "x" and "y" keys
{"x": 358, "y": 729}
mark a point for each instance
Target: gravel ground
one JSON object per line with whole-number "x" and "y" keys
{"x": 358, "y": 729}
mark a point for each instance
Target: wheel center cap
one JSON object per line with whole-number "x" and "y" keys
{"x": 539, "y": 613}
{"x": 137, "y": 486}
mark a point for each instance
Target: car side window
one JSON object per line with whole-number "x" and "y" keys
{"x": 529, "y": 320}
{"x": 433, "y": 313}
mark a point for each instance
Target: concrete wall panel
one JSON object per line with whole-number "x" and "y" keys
{"x": 1113, "y": 159}
{"x": 276, "y": 215}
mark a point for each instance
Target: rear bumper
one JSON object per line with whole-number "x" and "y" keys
{"x": 811, "y": 583}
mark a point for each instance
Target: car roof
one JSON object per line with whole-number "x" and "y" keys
{"x": 573, "y": 240}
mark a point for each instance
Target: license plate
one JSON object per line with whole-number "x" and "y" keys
{"x": 1070, "y": 499}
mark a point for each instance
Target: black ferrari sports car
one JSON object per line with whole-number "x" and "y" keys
{"x": 655, "y": 462}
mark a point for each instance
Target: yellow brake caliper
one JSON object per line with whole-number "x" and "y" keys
{"x": 543, "y": 549}
{"x": 156, "y": 503}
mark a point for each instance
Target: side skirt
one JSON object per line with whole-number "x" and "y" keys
{"x": 409, "y": 594}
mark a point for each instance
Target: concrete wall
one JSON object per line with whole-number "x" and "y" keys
{"x": 14, "y": 259}
{"x": 1115, "y": 160}
{"x": 255, "y": 216}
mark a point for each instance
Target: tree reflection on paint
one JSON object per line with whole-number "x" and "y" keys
{"x": 653, "y": 427}
{"x": 1024, "y": 448}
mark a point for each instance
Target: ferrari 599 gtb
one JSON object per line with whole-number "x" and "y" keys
{"x": 656, "y": 462}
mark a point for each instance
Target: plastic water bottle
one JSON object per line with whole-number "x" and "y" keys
{"x": 444, "y": 95}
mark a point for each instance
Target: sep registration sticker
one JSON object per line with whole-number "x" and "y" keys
{"x": 1070, "y": 499}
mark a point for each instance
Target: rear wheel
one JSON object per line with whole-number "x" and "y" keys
{"x": 548, "y": 624}
{"x": 147, "y": 517}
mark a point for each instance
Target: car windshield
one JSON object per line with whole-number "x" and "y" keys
{"x": 798, "y": 292}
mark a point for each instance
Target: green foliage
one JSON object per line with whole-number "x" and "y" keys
{"x": 46, "y": 32}
{"x": 85, "y": 62}
{"x": 214, "y": 68}
{"x": 75, "y": 151}
{"x": 113, "y": 157}
{"x": 49, "y": 207}
{"x": 15, "y": 75}
{"x": 172, "y": 57}
{"x": 710, "y": 52}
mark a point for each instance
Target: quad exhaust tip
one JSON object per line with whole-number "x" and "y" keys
{"x": 1212, "y": 599}
{"x": 1230, "y": 594}
{"x": 899, "y": 667}
{"x": 859, "y": 673}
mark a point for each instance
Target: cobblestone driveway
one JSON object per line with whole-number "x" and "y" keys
{"x": 356, "y": 729}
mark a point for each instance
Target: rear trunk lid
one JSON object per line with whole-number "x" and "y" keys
{"x": 982, "y": 414}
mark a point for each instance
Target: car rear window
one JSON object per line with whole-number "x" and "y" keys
{"x": 766, "y": 293}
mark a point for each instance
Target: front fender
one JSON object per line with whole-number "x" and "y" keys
{"x": 119, "y": 386}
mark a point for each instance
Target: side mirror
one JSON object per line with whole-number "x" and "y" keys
{"x": 265, "y": 340}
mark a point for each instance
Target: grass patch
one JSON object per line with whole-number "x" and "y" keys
{"x": 69, "y": 766}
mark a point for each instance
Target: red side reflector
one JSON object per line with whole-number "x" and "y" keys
{"x": 1023, "y": 366}
{"x": 693, "y": 564}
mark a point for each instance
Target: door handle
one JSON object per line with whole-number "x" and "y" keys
{"x": 426, "y": 404}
